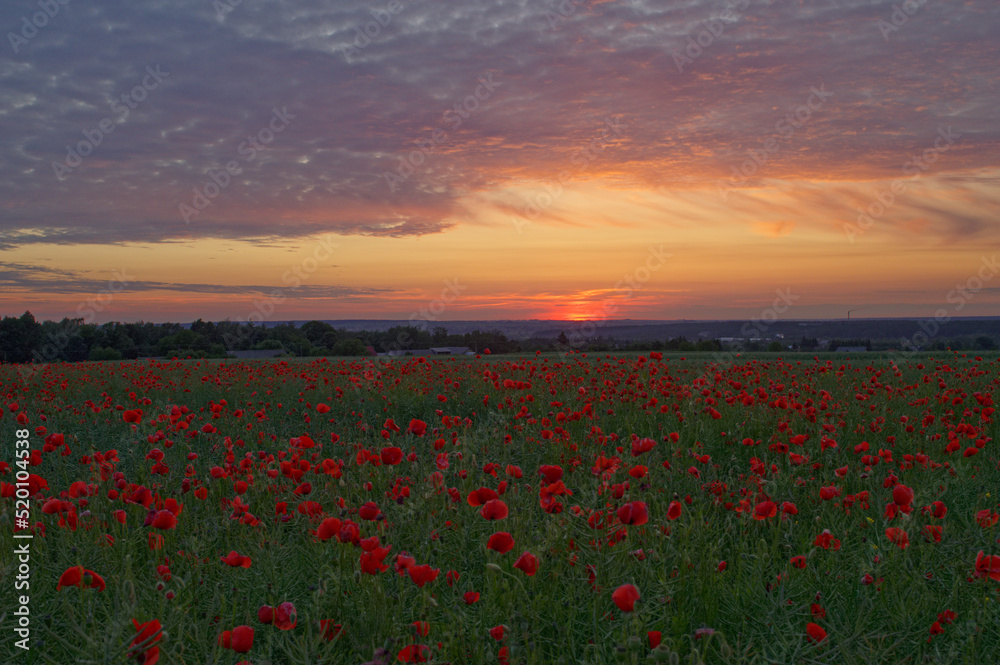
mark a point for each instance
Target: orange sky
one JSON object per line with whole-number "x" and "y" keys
{"x": 566, "y": 170}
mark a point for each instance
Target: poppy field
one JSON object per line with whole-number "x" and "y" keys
{"x": 571, "y": 508}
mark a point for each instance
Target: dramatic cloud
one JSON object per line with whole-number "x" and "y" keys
{"x": 159, "y": 123}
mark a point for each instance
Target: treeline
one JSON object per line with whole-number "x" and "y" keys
{"x": 23, "y": 340}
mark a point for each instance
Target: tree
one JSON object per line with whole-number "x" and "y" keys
{"x": 349, "y": 347}
{"x": 440, "y": 336}
{"x": 182, "y": 340}
{"x": 320, "y": 334}
{"x": 986, "y": 343}
{"x": 19, "y": 338}
{"x": 104, "y": 353}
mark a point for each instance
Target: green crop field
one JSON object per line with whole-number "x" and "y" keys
{"x": 484, "y": 509}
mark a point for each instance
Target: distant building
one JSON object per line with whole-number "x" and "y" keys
{"x": 852, "y": 349}
{"x": 434, "y": 351}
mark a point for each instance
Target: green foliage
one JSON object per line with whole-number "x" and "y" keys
{"x": 104, "y": 353}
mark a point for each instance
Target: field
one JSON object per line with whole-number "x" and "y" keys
{"x": 541, "y": 509}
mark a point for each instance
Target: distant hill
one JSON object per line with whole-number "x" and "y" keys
{"x": 639, "y": 330}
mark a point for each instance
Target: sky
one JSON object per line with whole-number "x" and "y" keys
{"x": 408, "y": 159}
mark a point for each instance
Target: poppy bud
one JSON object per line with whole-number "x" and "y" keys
{"x": 662, "y": 654}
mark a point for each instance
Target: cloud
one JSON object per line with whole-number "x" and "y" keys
{"x": 361, "y": 113}
{"x": 43, "y": 280}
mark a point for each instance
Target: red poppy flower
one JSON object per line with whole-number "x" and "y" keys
{"x": 421, "y": 628}
{"x": 638, "y": 471}
{"x": 817, "y": 611}
{"x": 93, "y": 580}
{"x": 625, "y": 597}
{"x": 932, "y": 533}
{"x": 799, "y": 561}
{"x": 328, "y": 528}
{"x": 640, "y": 446}
{"x": 242, "y": 639}
{"x": 828, "y": 493}
{"x": 497, "y": 632}
{"x": 635, "y": 513}
{"x": 423, "y": 574}
{"x": 371, "y": 562}
{"x": 80, "y": 577}
{"x": 164, "y": 519}
{"x": 265, "y": 614}
{"x": 471, "y": 597}
{"x": 147, "y": 635}
{"x": 415, "y": 653}
{"x": 369, "y": 511}
{"x": 938, "y": 509}
{"x": 899, "y": 537}
{"x": 494, "y": 509}
{"x": 72, "y": 577}
{"x": 654, "y": 637}
{"x": 236, "y": 560}
{"x": 501, "y": 542}
{"x": 902, "y": 495}
{"x": 815, "y": 632}
{"x": 481, "y": 496}
{"x": 722, "y": 566}
{"x": 403, "y": 563}
{"x": 985, "y": 518}
{"x": 392, "y": 455}
{"x": 417, "y": 427}
{"x": 988, "y": 566}
{"x": 674, "y": 510}
{"x": 765, "y": 509}
{"x": 551, "y": 472}
{"x": 329, "y": 630}
{"x": 285, "y": 616}
{"x": 528, "y": 563}
{"x": 826, "y": 540}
